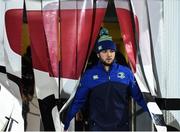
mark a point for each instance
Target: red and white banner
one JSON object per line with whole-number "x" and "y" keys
{"x": 62, "y": 35}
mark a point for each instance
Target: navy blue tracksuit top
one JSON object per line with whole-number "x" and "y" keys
{"x": 107, "y": 94}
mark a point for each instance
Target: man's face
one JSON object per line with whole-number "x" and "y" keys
{"x": 106, "y": 56}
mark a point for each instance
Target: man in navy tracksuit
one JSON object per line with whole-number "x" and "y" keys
{"x": 106, "y": 88}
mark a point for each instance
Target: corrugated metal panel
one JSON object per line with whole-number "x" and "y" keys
{"x": 170, "y": 57}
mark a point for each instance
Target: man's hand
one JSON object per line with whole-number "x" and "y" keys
{"x": 79, "y": 116}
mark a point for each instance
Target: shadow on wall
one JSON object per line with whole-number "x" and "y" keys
{"x": 173, "y": 125}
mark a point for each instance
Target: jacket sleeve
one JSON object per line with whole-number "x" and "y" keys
{"x": 136, "y": 93}
{"x": 78, "y": 101}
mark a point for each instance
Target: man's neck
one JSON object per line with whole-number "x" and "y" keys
{"x": 106, "y": 68}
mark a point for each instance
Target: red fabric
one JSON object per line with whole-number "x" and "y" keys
{"x": 127, "y": 32}
{"x": 75, "y": 35}
{"x": 51, "y": 28}
{"x": 78, "y": 31}
{"x": 13, "y": 23}
{"x": 75, "y": 38}
{"x": 38, "y": 41}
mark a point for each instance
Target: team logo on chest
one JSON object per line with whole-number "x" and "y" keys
{"x": 121, "y": 75}
{"x": 95, "y": 77}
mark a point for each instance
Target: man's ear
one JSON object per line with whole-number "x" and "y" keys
{"x": 98, "y": 55}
